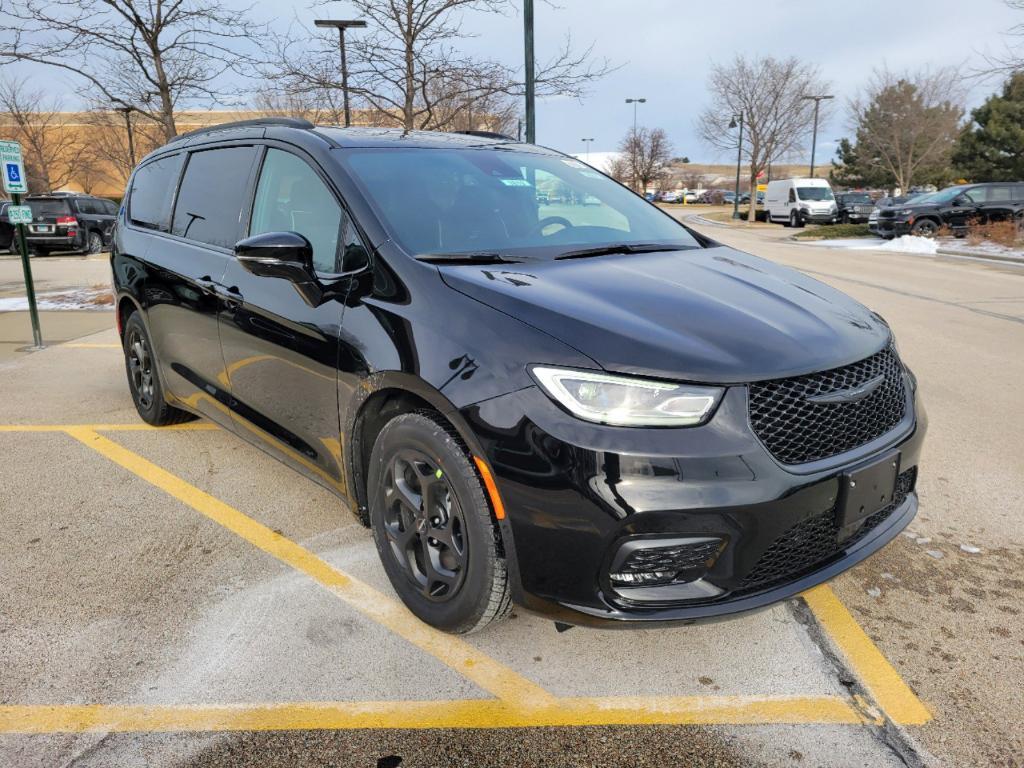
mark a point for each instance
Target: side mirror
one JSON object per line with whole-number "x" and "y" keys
{"x": 285, "y": 255}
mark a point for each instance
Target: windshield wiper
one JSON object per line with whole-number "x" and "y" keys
{"x": 606, "y": 250}
{"x": 467, "y": 257}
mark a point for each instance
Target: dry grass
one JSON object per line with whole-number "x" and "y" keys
{"x": 1008, "y": 234}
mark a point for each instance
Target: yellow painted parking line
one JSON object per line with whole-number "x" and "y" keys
{"x": 83, "y": 345}
{"x": 463, "y": 713}
{"x": 866, "y": 661}
{"x": 188, "y": 426}
{"x": 490, "y": 675}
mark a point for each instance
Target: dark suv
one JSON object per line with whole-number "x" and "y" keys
{"x": 69, "y": 222}
{"x": 854, "y": 207}
{"x": 955, "y": 207}
{"x": 581, "y": 406}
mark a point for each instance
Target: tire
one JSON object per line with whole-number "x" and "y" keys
{"x": 144, "y": 377}
{"x": 794, "y": 220}
{"x": 428, "y": 506}
{"x": 845, "y": 219}
{"x": 93, "y": 243}
{"x": 925, "y": 228}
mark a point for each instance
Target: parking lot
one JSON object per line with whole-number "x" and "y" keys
{"x": 176, "y": 597}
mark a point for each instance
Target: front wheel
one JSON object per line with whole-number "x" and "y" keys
{"x": 432, "y": 526}
{"x": 794, "y": 220}
{"x": 925, "y": 228}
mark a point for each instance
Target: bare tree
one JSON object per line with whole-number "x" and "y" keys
{"x": 113, "y": 152}
{"x": 407, "y": 70}
{"x": 647, "y": 152}
{"x": 52, "y": 148}
{"x": 150, "y": 57}
{"x": 768, "y": 93}
{"x": 906, "y": 125}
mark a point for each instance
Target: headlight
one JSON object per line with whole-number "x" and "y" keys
{"x": 904, "y": 212}
{"x": 626, "y": 401}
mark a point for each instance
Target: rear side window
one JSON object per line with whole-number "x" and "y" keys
{"x": 149, "y": 201}
{"x": 87, "y": 206}
{"x": 1000, "y": 194}
{"x": 290, "y": 197}
{"x": 109, "y": 207}
{"x": 212, "y": 193}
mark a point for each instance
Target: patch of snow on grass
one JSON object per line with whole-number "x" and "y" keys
{"x": 910, "y": 244}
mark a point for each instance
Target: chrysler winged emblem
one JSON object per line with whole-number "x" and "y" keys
{"x": 851, "y": 395}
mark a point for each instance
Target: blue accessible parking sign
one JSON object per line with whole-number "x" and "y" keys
{"x": 14, "y": 169}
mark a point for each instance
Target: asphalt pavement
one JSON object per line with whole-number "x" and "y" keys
{"x": 176, "y": 597}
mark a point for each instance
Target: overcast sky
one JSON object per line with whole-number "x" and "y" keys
{"x": 664, "y": 49}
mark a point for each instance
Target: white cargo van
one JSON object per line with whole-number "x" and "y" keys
{"x": 794, "y": 202}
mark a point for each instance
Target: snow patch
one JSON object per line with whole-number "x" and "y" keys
{"x": 910, "y": 244}
{"x": 78, "y": 298}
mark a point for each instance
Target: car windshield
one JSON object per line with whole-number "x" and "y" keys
{"x": 857, "y": 199}
{"x": 505, "y": 201}
{"x": 48, "y": 207}
{"x": 814, "y": 193}
{"x": 942, "y": 196}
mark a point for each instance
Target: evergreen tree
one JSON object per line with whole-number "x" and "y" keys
{"x": 991, "y": 148}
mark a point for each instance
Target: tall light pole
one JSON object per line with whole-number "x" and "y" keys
{"x": 586, "y": 147}
{"x": 531, "y": 110}
{"x": 739, "y": 161}
{"x": 634, "y": 102}
{"x": 341, "y": 25}
{"x": 127, "y": 112}
{"x": 814, "y": 140}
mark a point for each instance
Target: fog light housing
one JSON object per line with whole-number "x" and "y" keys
{"x": 662, "y": 561}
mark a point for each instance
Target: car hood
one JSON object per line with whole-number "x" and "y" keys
{"x": 704, "y": 315}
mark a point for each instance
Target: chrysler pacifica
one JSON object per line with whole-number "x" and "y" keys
{"x": 531, "y": 384}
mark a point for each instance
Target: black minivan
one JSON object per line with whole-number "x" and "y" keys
{"x": 533, "y": 385}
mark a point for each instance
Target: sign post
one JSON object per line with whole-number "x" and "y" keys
{"x": 15, "y": 184}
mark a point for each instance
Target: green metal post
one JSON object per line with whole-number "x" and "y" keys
{"x": 531, "y": 113}
{"x": 30, "y": 290}
{"x": 739, "y": 161}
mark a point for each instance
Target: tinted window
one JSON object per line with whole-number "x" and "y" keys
{"x": 86, "y": 205}
{"x": 109, "y": 207}
{"x": 212, "y": 194}
{"x": 976, "y": 194}
{"x": 532, "y": 203}
{"x": 49, "y": 207}
{"x": 149, "y": 201}
{"x": 290, "y": 197}
{"x": 1000, "y": 194}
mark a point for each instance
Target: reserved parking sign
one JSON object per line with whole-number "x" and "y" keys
{"x": 13, "y": 168}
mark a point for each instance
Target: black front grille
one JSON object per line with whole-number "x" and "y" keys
{"x": 677, "y": 558}
{"x": 796, "y": 430}
{"x": 809, "y": 544}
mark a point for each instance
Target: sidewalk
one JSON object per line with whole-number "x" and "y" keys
{"x": 16, "y": 328}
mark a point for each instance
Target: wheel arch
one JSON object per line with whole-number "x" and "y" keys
{"x": 380, "y": 398}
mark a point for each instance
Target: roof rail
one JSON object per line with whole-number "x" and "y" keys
{"x": 287, "y": 122}
{"x": 487, "y": 135}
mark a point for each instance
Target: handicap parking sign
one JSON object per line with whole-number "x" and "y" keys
{"x": 14, "y": 169}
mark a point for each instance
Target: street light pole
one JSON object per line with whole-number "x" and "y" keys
{"x": 341, "y": 25}
{"x": 127, "y": 112}
{"x": 586, "y": 147}
{"x": 636, "y": 181}
{"x": 814, "y": 138}
{"x": 739, "y": 161}
{"x": 531, "y": 105}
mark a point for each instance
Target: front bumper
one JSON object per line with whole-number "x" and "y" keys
{"x": 815, "y": 217}
{"x": 890, "y": 227}
{"x": 574, "y": 492}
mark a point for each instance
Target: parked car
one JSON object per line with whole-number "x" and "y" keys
{"x": 602, "y": 415}
{"x": 794, "y": 202}
{"x": 955, "y": 207}
{"x": 69, "y": 222}
{"x": 672, "y": 197}
{"x": 690, "y": 197}
{"x": 854, "y": 207}
{"x": 7, "y": 236}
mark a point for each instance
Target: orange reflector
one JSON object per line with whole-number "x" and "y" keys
{"x": 492, "y": 489}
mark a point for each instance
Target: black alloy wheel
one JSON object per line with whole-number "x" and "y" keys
{"x": 140, "y": 367}
{"x": 143, "y": 371}
{"x": 424, "y": 524}
{"x": 925, "y": 228}
{"x": 433, "y": 527}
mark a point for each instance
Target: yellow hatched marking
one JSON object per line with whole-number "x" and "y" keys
{"x": 490, "y": 675}
{"x": 880, "y": 678}
{"x": 463, "y": 713}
